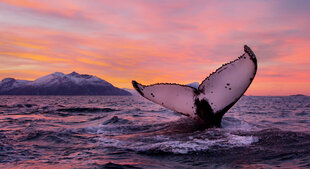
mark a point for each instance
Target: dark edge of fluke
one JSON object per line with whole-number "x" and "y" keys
{"x": 135, "y": 85}
{"x": 249, "y": 51}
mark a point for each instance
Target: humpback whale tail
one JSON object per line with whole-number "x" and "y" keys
{"x": 214, "y": 96}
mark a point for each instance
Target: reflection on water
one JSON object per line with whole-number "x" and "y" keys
{"x": 129, "y": 131}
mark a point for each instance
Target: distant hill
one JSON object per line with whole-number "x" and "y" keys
{"x": 60, "y": 84}
{"x": 194, "y": 85}
{"x": 297, "y": 95}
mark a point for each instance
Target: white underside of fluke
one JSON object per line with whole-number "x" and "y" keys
{"x": 221, "y": 89}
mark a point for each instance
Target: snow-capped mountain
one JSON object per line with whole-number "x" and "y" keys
{"x": 60, "y": 84}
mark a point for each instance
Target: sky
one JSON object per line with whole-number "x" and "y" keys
{"x": 152, "y": 41}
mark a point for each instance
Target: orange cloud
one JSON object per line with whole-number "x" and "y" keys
{"x": 33, "y": 56}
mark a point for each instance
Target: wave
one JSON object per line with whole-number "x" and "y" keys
{"x": 118, "y": 166}
{"x": 51, "y": 138}
{"x": 84, "y": 110}
{"x": 96, "y": 118}
{"x": 19, "y": 106}
{"x": 116, "y": 120}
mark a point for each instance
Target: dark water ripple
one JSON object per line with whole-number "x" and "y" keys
{"x": 131, "y": 132}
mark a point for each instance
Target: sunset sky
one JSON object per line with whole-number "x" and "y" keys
{"x": 152, "y": 41}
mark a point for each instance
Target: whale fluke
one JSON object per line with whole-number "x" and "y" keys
{"x": 214, "y": 96}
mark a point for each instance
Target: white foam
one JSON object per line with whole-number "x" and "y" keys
{"x": 237, "y": 124}
{"x": 241, "y": 140}
{"x": 166, "y": 144}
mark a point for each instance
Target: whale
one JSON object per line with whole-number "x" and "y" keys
{"x": 215, "y": 95}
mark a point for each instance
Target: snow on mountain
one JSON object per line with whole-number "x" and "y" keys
{"x": 49, "y": 80}
{"x": 10, "y": 83}
{"x": 194, "y": 85}
{"x": 58, "y": 78}
{"x": 81, "y": 79}
{"x": 61, "y": 84}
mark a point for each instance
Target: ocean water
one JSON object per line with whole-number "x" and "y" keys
{"x": 132, "y": 132}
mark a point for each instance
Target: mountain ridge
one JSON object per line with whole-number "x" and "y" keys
{"x": 59, "y": 83}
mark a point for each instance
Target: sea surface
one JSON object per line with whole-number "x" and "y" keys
{"x": 132, "y": 132}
